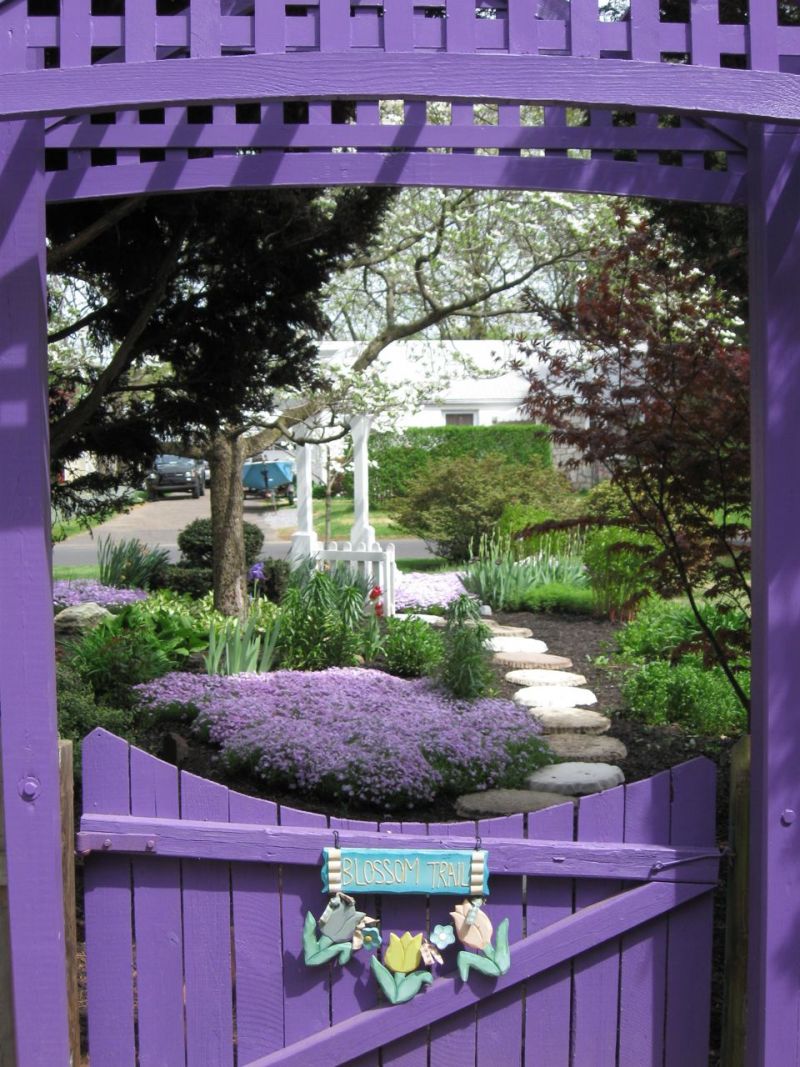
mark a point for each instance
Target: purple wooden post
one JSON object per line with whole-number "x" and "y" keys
{"x": 774, "y": 991}
{"x": 27, "y": 676}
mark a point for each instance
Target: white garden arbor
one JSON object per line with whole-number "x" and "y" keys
{"x": 362, "y": 552}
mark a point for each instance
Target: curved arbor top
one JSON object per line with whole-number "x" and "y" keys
{"x": 162, "y": 95}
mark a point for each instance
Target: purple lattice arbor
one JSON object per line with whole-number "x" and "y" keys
{"x": 113, "y": 98}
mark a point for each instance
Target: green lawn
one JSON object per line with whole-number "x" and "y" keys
{"x": 86, "y": 570}
{"x": 342, "y": 520}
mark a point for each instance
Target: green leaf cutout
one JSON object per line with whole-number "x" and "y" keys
{"x": 470, "y": 960}
{"x": 502, "y": 953}
{"x": 384, "y": 979}
{"x": 398, "y": 988}
{"x": 408, "y": 985}
{"x": 317, "y": 951}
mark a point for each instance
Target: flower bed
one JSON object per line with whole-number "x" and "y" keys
{"x": 352, "y": 733}
{"x": 425, "y": 590}
{"x": 68, "y": 594}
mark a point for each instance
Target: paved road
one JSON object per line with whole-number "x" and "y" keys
{"x": 159, "y": 522}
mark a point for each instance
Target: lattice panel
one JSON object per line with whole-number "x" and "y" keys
{"x": 79, "y": 32}
{"x": 449, "y": 144}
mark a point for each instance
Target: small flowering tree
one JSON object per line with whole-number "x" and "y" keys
{"x": 654, "y": 387}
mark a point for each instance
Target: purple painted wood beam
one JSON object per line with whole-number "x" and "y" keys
{"x": 774, "y": 988}
{"x": 556, "y": 943}
{"x": 27, "y": 655}
{"x": 312, "y": 76}
{"x": 412, "y": 169}
{"x": 185, "y": 838}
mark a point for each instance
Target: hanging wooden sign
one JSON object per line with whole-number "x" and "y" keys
{"x": 374, "y": 870}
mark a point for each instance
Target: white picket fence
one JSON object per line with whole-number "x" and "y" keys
{"x": 372, "y": 562}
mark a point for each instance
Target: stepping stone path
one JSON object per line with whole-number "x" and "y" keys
{"x": 530, "y": 677}
{"x": 516, "y": 644}
{"x": 574, "y": 746}
{"x": 557, "y": 701}
{"x": 493, "y": 802}
{"x": 507, "y": 631}
{"x": 571, "y": 720}
{"x": 554, "y": 696}
{"x": 532, "y": 660}
{"x": 575, "y": 779}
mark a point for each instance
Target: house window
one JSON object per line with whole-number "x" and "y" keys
{"x": 459, "y": 418}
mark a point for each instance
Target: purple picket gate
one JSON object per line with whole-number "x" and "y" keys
{"x": 196, "y": 897}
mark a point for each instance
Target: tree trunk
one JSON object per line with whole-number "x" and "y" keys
{"x": 227, "y": 530}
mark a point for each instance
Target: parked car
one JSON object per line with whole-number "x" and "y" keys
{"x": 176, "y": 474}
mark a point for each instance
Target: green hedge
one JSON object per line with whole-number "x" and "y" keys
{"x": 397, "y": 458}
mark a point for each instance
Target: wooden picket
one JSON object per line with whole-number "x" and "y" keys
{"x": 196, "y": 897}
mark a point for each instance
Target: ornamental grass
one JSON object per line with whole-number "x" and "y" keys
{"x": 355, "y": 735}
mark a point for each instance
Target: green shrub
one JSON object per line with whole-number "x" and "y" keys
{"x": 465, "y": 670}
{"x": 112, "y": 659}
{"x": 517, "y": 517}
{"x": 195, "y": 543}
{"x": 686, "y": 694}
{"x": 453, "y": 503}
{"x": 399, "y": 457}
{"x": 79, "y": 713}
{"x": 605, "y": 501}
{"x": 560, "y": 598}
{"x": 668, "y": 629}
{"x": 411, "y": 648}
{"x": 620, "y": 564}
{"x": 130, "y": 564}
{"x": 179, "y": 623}
{"x": 193, "y": 581}
{"x": 322, "y": 622}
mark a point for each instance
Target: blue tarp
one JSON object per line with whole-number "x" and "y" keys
{"x": 263, "y": 477}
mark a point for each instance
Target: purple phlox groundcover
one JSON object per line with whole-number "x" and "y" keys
{"x": 422, "y": 590}
{"x": 70, "y": 593}
{"x": 355, "y": 732}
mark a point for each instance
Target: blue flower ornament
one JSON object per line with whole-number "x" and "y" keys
{"x": 443, "y": 936}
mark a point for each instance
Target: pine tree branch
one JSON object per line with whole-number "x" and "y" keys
{"x": 57, "y": 256}
{"x": 75, "y": 419}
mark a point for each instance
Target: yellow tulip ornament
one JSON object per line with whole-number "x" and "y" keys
{"x": 400, "y": 976}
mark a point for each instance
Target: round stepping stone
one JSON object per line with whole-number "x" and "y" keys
{"x": 538, "y": 676}
{"x": 576, "y": 779}
{"x": 516, "y": 644}
{"x": 498, "y": 630}
{"x": 554, "y": 696}
{"x": 506, "y": 802}
{"x": 574, "y": 746}
{"x": 532, "y": 660}
{"x": 571, "y": 720}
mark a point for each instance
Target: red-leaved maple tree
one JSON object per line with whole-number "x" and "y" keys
{"x": 646, "y": 374}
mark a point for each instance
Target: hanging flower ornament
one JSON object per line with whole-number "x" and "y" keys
{"x": 399, "y": 975}
{"x": 474, "y": 930}
{"x": 343, "y": 930}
